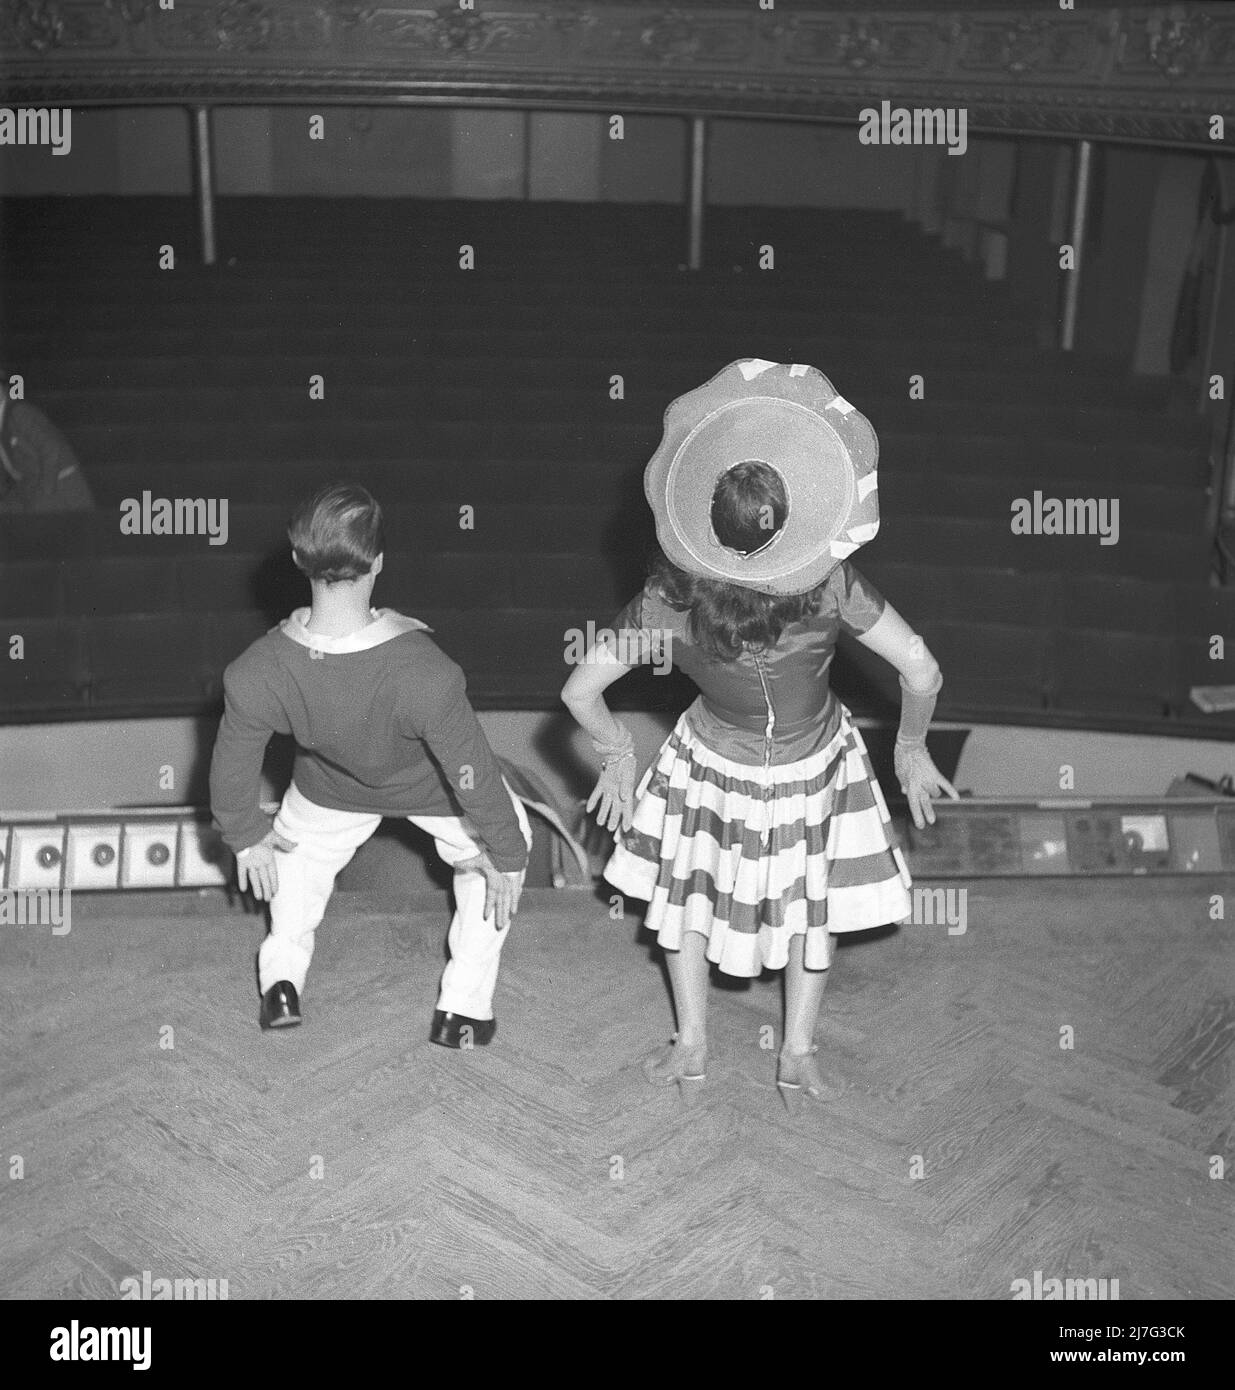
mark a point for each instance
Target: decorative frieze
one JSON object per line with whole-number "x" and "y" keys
{"x": 1145, "y": 73}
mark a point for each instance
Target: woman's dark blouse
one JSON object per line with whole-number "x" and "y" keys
{"x": 766, "y": 708}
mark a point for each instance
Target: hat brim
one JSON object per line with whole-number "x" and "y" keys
{"x": 793, "y": 419}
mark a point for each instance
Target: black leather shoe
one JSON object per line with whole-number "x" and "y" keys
{"x": 457, "y": 1030}
{"x": 280, "y": 1006}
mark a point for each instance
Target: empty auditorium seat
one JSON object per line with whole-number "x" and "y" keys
{"x": 592, "y": 586}
{"x": 507, "y": 654}
{"x": 942, "y": 541}
{"x": 257, "y": 526}
{"x": 926, "y": 488}
{"x": 989, "y": 667}
{"x": 52, "y": 674}
{"x": 138, "y": 661}
{"x": 1179, "y": 558}
{"x": 445, "y": 392}
{"x": 1098, "y": 671}
{"x": 48, "y": 535}
{"x": 566, "y": 527}
{"x": 224, "y": 584}
{"x": 426, "y": 580}
{"x": 1113, "y": 602}
{"x": 1201, "y": 611}
{"x": 228, "y": 583}
{"x": 963, "y": 594}
{"x": 114, "y": 584}
{"x": 911, "y": 589}
{"x": 30, "y": 589}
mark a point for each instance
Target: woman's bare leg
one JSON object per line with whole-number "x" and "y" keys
{"x": 688, "y": 973}
{"x": 803, "y": 999}
{"x": 797, "y": 1073}
{"x": 686, "y": 1058}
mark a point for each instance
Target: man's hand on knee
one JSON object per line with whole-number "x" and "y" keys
{"x": 502, "y": 898}
{"x": 501, "y": 890}
{"x": 256, "y": 868}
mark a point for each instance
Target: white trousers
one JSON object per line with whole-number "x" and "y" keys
{"x": 325, "y": 841}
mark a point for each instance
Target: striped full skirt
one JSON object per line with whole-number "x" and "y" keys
{"x": 752, "y": 857}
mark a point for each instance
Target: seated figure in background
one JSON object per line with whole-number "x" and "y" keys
{"x": 39, "y": 471}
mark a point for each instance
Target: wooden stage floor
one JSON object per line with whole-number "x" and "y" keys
{"x": 350, "y": 1159}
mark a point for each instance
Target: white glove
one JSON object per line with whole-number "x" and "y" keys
{"x": 615, "y": 791}
{"x": 920, "y": 780}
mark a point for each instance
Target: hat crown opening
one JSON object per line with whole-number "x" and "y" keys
{"x": 750, "y": 507}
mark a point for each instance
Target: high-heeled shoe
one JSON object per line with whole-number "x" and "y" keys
{"x": 675, "y": 1065}
{"x": 798, "y": 1080}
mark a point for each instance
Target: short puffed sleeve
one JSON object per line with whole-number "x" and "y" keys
{"x": 638, "y": 630}
{"x": 857, "y": 604}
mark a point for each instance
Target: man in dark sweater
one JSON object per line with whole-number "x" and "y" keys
{"x": 383, "y": 727}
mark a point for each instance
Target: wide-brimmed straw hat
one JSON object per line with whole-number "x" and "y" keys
{"x": 791, "y": 418}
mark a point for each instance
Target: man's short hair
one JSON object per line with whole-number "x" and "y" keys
{"x": 337, "y": 533}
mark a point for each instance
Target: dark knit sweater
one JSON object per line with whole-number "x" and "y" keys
{"x": 382, "y": 725}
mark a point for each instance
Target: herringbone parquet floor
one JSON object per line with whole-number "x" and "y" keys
{"x": 350, "y": 1159}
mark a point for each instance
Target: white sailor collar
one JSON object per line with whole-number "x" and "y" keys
{"x": 386, "y": 625}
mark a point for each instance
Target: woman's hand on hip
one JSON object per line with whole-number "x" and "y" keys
{"x": 614, "y": 793}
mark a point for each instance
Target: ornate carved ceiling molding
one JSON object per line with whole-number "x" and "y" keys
{"x": 1143, "y": 74}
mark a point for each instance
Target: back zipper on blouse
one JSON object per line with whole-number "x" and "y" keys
{"x": 767, "y": 700}
{"x": 767, "y": 746}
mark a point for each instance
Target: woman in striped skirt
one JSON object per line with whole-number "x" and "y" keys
{"x": 759, "y": 832}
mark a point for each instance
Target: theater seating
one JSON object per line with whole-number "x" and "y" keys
{"x": 482, "y": 408}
